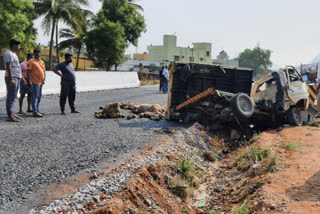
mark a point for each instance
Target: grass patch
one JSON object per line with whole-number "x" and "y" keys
{"x": 272, "y": 164}
{"x": 313, "y": 124}
{"x": 210, "y": 156}
{"x": 251, "y": 156}
{"x": 189, "y": 178}
{"x": 292, "y": 146}
{"x": 243, "y": 209}
{"x": 260, "y": 154}
{"x": 149, "y": 82}
{"x": 185, "y": 164}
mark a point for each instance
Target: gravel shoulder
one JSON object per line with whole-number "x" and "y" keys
{"x": 41, "y": 151}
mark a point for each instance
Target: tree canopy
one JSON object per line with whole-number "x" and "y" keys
{"x": 116, "y": 25}
{"x": 106, "y": 43}
{"x": 127, "y": 15}
{"x": 67, "y": 11}
{"x": 258, "y": 59}
{"x": 16, "y": 22}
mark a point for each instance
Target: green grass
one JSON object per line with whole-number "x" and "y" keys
{"x": 313, "y": 124}
{"x": 185, "y": 165}
{"x": 260, "y": 154}
{"x": 273, "y": 165}
{"x": 243, "y": 209}
{"x": 292, "y": 146}
{"x": 149, "y": 82}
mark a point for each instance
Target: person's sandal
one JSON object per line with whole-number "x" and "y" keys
{"x": 17, "y": 117}
{"x": 38, "y": 115}
{"x": 13, "y": 119}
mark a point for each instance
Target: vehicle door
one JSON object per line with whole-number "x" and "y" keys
{"x": 297, "y": 89}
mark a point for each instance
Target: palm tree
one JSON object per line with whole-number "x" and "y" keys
{"x": 132, "y": 3}
{"x": 75, "y": 37}
{"x": 54, "y": 11}
{"x": 136, "y": 5}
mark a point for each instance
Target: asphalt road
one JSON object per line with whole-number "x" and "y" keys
{"x": 41, "y": 151}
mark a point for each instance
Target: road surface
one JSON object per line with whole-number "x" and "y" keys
{"x": 41, "y": 151}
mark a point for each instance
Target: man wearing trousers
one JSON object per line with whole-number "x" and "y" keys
{"x": 68, "y": 83}
{"x": 12, "y": 78}
{"x": 36, "y": 75}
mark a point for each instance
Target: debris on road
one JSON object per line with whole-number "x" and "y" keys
{"x": 113, "y": 110}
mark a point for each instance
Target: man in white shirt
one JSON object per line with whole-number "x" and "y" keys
{"x": 165, "y": 74}
{"x": 12, "y": 78}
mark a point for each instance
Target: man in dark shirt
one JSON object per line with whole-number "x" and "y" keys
{"x": 161, "y": 78}
{"x": 68, "y": 83}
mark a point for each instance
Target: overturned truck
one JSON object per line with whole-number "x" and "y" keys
{"x": 219, "y": 96}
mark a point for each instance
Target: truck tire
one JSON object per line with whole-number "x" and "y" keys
{"x": 294, "y": 117}
{"x": 242, "y": 106}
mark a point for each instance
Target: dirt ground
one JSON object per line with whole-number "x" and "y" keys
{"x": 238, "y": 179}
{"x": 297, "y": 185}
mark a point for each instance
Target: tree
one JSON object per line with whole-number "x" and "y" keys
{"x": 67, "y": 11}
{"x": 258, "y": 59}
{"x": 16, "y": 22}
{"x": 76, "y": 36}
{"x": 117, "y": 24}
{"x": 127, "y": 16}
{"x": 136, "y": 5}
{"x": 106, "y": 43}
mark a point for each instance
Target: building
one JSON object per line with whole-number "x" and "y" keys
{"x": 223, "y": 59}
{"x": 169, "y": 52}
{"x": 140, "y": 57}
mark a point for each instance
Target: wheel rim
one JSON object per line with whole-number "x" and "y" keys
{"x": 296, "y": 115}
{"x": 245, "y": 104}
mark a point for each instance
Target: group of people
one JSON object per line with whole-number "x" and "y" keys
{"x": 29, "y": 77}
{"x": 164, "y": 79}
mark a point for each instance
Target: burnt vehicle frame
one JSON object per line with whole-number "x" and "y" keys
{"x": 219, "y": 96}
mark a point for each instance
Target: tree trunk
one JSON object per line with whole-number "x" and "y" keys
{"x": 51, "y": 42}
{"x": 57, "y": 43}
{"x": 78, "y": 57}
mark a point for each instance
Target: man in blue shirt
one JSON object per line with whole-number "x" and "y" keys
{"x": 68, "y": 83}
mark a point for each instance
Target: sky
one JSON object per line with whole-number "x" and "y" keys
{"x": 289, "y": 28}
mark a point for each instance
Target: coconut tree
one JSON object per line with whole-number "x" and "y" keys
{"x": 75, "y": 36}
{"x": 136, "y": 5}
{"x": 53, "y": 11}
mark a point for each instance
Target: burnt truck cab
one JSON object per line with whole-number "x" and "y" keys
{"x": 284, "y": 96}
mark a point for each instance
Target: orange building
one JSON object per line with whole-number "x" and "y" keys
{"x": 140, "y": 57}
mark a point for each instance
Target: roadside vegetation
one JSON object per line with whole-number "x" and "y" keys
{"x": 149, "y": 82}
{"x": 292, "y": 146}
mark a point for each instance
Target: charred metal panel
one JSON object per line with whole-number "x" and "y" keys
{"x": 192, "y": 79}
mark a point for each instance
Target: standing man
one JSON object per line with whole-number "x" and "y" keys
{"x": 165, "y": 74}
{"x": 161, "y": 78}
{"x": 12, "y": 78}
{"x": 68, "y": 83}
{"x": 25, "y": 88}
{"x": 36, "y": 75}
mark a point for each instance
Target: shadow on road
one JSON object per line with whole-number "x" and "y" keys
{"x": 310, "y": 191}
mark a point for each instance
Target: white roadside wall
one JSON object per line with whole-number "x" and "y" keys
{"x": 86, "y": 81}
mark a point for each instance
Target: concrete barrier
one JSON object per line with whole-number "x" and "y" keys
{"x": 86, "y": 81}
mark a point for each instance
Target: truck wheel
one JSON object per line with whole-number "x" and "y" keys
{"x": 294, "y": 117}
{"x": 242, "y": 106}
